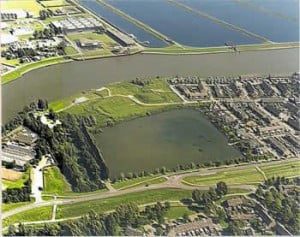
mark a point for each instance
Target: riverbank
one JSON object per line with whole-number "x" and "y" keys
{"x": 170, "y": 50}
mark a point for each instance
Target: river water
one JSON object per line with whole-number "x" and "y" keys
{"x": 58, "y": 81}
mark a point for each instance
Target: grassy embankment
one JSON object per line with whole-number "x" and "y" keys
{"x": 30, "y": 66}
{"x": 249, "y": 175}
{"x": 55, "y": 182}
{"x": 10, "y": 206}
{"x": 36, "y": 214}
{"x": 175, "y": 49}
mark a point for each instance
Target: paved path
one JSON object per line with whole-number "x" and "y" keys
{"x": 37, "y": 179}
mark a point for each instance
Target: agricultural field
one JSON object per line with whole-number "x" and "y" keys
{"x": 14, "y": 179}
{"x": 55, "y": 182}
{"x": 29, "y": 5}
{"x": 103, "y": 205}
{"x": 54, "y": 3}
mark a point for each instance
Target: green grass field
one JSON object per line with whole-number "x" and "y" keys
{"x": 36, "y": 214}
{"x": 55, "y": 182}
{"x": 103, "y": 205}
{"x": 176, "y": 212}
{"x": 155, "y": 179}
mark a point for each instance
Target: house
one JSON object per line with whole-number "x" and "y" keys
{"x": 202, "y": 227}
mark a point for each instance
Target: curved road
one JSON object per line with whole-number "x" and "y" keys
{"x": 173, "y": 181}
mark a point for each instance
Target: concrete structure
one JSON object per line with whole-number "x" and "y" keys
{"x": 120, "y": 37}
{"x": 78, "y": 24}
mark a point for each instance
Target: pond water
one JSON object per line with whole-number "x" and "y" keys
{"x": 180, "y": 25}
{"x": 122, "y": 23}
{"x": 166, "y": 139}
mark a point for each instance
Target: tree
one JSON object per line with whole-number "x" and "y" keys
{"x": 221, "y": 188}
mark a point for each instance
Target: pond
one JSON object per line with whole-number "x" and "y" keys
{"x": 166, "y": 139}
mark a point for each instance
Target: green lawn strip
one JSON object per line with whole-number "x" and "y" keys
{"x": 36, "y": 214}
{"x": 138, "y": 181}
{"x": 289, "y": 169}
{"x": 10, "y": 206}
{"x": 28, "y": 67}
{"x": 103, "y": 205}
{"x": 176, "y": 212}
{"x": 54, "y": 181}
{"x": 69, "y": 50}
{"x": 230, "y": 176}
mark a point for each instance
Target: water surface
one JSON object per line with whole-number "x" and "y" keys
{"x": 181, "y": 25}
{"x": 122, "y": 23}
{"x": 166, "y": 139}
{"x": 62, "y": 80}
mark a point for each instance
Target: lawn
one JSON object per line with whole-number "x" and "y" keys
{"x": 36, "y": 214}
{"x": 176, "y": 212}
{"x": 230, "y": 176}
{"x": 129, "y": 183}
{"x": 27, "y": 5}
{"x": 69, "y": 50}
{"x": 103, "y": 205}
{"x": 55, "y": 182}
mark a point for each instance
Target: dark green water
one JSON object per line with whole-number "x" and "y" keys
{"x": 165, "y": 139}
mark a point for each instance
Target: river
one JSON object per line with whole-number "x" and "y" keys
{"x": 58, "y": 81}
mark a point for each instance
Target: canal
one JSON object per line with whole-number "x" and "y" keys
{"x": 58, "y": 81}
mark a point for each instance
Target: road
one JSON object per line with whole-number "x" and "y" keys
{"x": 173, "y": 181}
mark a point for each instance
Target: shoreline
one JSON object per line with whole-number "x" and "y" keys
{"x": 160, "y": 51}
